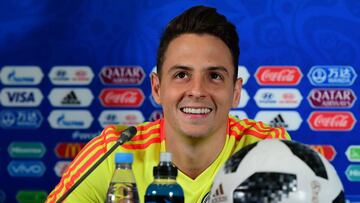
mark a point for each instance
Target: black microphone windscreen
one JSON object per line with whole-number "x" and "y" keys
{"x": 127, "y": 134}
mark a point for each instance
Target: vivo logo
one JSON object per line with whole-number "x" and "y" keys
{"x": 70, "y": 119}
{"x": 21, "y": 97}
{"x": 21, "y": 75}
{"x": 26, "y": 168}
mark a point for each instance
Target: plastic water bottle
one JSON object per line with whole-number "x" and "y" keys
{"x": 164, "y": 188}
{"x": 123, "y": 187}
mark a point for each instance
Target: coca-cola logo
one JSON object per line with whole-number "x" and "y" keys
{"x": 278, "y": 75}
{"x": 122, "y": 97}
{"x": 122, "y": 75}
{"x": 331, "y": 121}
{"x": 331, "y": 98}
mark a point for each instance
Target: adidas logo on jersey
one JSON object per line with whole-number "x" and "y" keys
{"x": 70, "y": 99}
{"x": 219, "y": 195}
{"x": 278, "y": 121}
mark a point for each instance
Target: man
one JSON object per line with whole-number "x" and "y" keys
{"x": 197, "y": 85}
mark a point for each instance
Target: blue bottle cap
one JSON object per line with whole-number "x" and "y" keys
{"x": 124, "y": 158}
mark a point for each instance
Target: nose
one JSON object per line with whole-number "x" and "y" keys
{"x": 197, "y": 87}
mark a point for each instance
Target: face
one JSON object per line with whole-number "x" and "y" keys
{"x": 197, "y": 88}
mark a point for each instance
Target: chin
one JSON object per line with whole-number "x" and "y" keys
{"x": 195, "y": 134}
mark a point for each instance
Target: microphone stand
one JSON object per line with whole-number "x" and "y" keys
{"x": 88, "y": 172}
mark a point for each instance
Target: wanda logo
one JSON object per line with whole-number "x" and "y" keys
{"x": 278, "y": 75}
{"x": 331, "y": 121}
{"x": 122, "y": 97}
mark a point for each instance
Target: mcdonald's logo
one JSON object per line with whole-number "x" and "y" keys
{"x": 68, "y": 150}
{"x": 328, "y": 151}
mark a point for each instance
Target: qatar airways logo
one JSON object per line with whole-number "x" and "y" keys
{"x": 331, "y": 98}
{"x": 331, "y": 121}
{"x": 278, "y": 75}
{"x": 122, "y": 75}
{"x": 122, "y": 97}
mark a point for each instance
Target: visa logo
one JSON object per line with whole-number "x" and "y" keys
{"x": 21, "y": 97}
{"x": 26, "y": 168}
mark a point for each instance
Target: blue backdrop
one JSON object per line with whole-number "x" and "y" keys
{"x": 109, "y": 48}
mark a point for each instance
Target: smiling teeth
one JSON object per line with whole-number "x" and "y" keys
{"x": 196, "y": 111}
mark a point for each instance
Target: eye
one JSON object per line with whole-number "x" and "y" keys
{"x": 216, "y": 76}
{"x": 181, "y": 75}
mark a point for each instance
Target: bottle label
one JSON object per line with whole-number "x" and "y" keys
{"x": 119, "y": 192}
{"x": 164, "y": 199}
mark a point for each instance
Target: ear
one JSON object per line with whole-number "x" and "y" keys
{"x": 237, "y": 93}
{"x": 155, "y": 87}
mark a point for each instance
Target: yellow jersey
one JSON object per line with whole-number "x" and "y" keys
{"x": 146, "y": 146}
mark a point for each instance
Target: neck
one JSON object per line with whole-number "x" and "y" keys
{"x": 192, "y": 155}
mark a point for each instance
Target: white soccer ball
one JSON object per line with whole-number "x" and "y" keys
{"x": 277, "y": 171}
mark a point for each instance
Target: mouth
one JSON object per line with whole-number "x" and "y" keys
{"x": 196, "y": 111}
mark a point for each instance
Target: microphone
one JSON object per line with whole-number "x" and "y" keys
{"x": 126, "y": 135}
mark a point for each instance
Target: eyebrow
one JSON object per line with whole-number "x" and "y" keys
{"x": 219, "y": 68}
{"x": 179, "y": 67}
{"x": 211, "y": 68}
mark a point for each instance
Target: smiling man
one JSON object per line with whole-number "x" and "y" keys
{"x": 197, "y": 85}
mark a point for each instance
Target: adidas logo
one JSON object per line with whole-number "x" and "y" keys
{"x": 219, "y": 195}
{"x": 278, "y": 121}
{"x": 70, "y": 99}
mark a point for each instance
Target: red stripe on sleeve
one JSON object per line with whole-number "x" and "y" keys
{"x": 81, "y": 156}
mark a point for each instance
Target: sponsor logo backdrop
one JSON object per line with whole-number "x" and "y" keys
{"x": 68, "y": 70}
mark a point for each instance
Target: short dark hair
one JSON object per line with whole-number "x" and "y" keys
{"x": 200, "y": 20}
